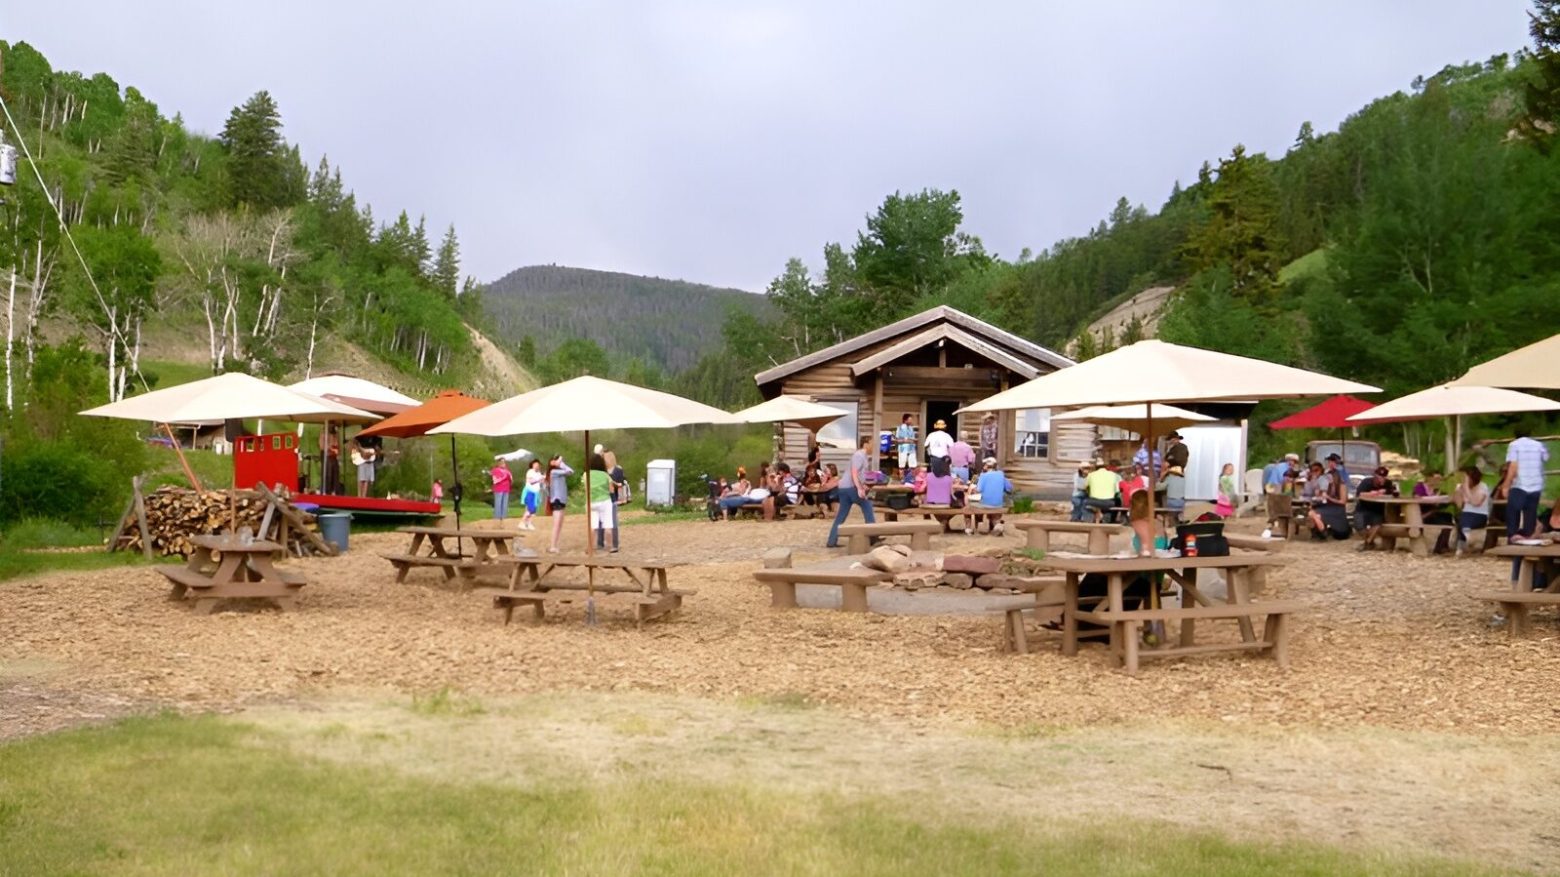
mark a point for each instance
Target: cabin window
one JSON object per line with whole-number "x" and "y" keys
{"x": 840, "y": 433}
{"x": 1032, "y": 433}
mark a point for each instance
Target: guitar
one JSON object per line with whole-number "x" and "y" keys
{"x": 362, "y": 455}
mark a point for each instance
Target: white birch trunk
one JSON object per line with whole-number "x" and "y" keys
{"x": 10, "y": 334}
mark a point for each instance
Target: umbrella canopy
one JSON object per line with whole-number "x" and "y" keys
{"x": 806, "y": 413}
{"x": 584, "y": 404}
{"x": 1332, "y": 414}
{"x": 1536, "y": 367}
{"x": 1134, "y": 418}
{"x": 1157, "y": 371}
{"x": 439, "y": 410}
{"x": 357, "y": 392}
{"x": 231, "y": 396}
{"x": 1449, "y": 400}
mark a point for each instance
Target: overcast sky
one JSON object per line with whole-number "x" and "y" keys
{"x": 712, "y": 140}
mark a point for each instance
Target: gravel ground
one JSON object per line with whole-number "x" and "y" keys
{"x": 1390, "y": 641}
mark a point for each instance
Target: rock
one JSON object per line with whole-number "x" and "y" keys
{"x": 994, "y": 580}
{"x": 915, "y": 581}
{"x": 958, "y": 580}
{"x": 887, "y": 559}
{"x": 970, "y": 564}
{"x": 777, "y": 558}
{"x": 899, "y": 547}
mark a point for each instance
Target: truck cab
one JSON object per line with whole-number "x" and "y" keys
{"x": 1360, "y": 457}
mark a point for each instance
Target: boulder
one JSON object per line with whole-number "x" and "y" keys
{"x": 915, "y": 581}
{"x": 994, "y": 580}
{"x": 777, "y": 558}
{"x": 899, "y": 547}
{"x": 887, "y": 559}
{"x": 971, "y": 564}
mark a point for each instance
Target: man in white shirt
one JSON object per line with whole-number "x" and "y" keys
{"x": 1523, "y": 487}
{"x": 853, "y": 490}
{"x": 939, "y": 444}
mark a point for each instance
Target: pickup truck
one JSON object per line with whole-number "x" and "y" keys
{"x": 1360, "y": 457}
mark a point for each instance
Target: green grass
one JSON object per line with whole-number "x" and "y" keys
{"x": 24, "y": 549}
{"x": 175, "y": 796}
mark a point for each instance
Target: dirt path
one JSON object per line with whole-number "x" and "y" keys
{"x": 1408, "y": 793}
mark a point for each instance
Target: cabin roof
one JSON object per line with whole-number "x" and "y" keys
{"x": 1001, "y": 346}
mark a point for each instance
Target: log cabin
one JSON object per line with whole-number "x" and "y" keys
{"x": 929, "y": 366}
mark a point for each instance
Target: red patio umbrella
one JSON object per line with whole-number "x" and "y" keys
{"x": 1331, "y": 414}
{"x": 413, "y": 422}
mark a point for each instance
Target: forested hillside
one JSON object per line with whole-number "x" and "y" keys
{"x": 134, "y": 233}
{"x": 1422, "y": 237}
{"x": 665, "y": 324}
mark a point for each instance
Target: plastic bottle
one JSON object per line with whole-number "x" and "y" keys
{"x": 1191, "y": 545}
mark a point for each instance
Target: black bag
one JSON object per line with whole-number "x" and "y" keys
{"x": 898, "y": 500}
{"x": 1210, "y": 538}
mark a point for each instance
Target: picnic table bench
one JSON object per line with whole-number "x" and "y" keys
{"x": 944, "y": 514}
{"x": 228, "y": 567}
{"x": 1519, "y": 600}
{"x": 536, "y": 580}
{"x": 431, "y": 549}
{"x": 1125, "y": 625}
{"x": 1037, "y": 533}
{"x": 861, "y": 535}
{"x": 853, "y": 584}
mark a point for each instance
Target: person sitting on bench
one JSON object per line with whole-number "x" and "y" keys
{"x": 1102, "y": 487}
{"x": 1329, "y": 505}
{"x": 736, "y": 495}
{"x": 789, "y": 492}
{"x": 1369, "y": 515}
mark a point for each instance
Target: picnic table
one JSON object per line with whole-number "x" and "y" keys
{"x": 440, "y": 548}
{"x": 1516, "y": 602}
{"x": 534, "y": 580}
{"x": 1405, "y": 517}
{"x": 1125, "y": 626}
{"x": 230, "y": 567}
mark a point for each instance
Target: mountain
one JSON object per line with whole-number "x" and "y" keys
{"x": 664, "y": 323}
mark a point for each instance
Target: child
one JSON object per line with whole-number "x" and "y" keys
{"x": 1225, "y": 505}
{"x": 532, "y": 495}
{"x": 438, "y": 491}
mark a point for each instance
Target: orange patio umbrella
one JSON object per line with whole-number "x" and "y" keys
{"x": 439, "y": 410}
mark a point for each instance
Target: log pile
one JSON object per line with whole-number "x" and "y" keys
{"x": 173, "y": 515}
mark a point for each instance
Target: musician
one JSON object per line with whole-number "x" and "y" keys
{"x": 365, "y": 455}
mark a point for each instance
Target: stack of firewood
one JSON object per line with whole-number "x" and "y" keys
{"x": 173, "y": 515}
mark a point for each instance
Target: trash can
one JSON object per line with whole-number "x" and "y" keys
{"x": 334, "y": 527}
{"x": 660, "y": 482}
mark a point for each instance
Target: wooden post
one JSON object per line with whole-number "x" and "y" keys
{"x": 877, "y": 411}
{"x": 140, "y": 518}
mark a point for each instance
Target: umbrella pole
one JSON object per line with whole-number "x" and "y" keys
{"x": 456, "y": 491}
{"x": 1156, "y": 628}
{"x": 590, "y": 545}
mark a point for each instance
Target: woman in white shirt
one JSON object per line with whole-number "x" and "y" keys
{"x": 1473, "y": 505}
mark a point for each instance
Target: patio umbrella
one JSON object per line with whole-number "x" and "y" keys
{"x": 1534, "y": 367}
{"x": 807, "y": 414}
{"x": 581, "y": 405}
{"x": 357, "y": 392}
{"x": 1134, "y": 418}
{"x": 1155, "y": 371}
{"x": 413, "y": 422}
{"x": 1454, "y": 402}
{"x": 1331, "y": 414}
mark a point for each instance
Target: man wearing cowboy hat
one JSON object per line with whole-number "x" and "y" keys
{"x": 1177, "y": 454}
{"x": 938, "y": 446}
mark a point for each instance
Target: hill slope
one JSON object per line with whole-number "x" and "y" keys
{"x": 667, "y": 323}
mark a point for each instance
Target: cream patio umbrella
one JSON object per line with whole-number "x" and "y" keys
{"x": 1153, "y": 372}
{"x": 1454, "y": 402}
{"x": 1534, "y": 367}
{"x": 807, "y": 414}
{"x": 1135, "y": 418}
{"x": 582, "y": 405}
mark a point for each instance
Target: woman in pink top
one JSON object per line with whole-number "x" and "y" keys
{"x": 502, "y": 481}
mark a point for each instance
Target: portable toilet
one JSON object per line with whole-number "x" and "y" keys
{"x": 660, "y": 482}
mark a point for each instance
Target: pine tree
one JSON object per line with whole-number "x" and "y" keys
{"x": 1242, "y": 227}
{"x": 446, "y": 266}
{"x": 420, "y": 252}
{"x": 1540, "y": 122}
{"x": 258, "y": 159}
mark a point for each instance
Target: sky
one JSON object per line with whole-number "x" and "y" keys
{"x": 711, "y": 141}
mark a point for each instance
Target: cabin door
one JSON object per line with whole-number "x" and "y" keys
{"x": 942, "y": 409}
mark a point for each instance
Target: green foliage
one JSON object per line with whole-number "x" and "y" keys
{"x": 573, "y": 358}
{"x": 262, "y": 172}
{"x": 1540, "y": 121}
{"x": 1241, "y": 229}
{"x": 1208, "y": 312}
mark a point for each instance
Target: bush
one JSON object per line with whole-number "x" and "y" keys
{"x": 59, "y": 480}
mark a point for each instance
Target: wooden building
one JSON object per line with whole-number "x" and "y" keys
{"x": 929, "y": 366}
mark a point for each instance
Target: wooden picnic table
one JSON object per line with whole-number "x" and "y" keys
{"x": 229, "y": 567}
{"x": 441, "y": 548}
{"x": 534, "y": 579}
{"x": 1405, "y": 517}
{"x": 1521, "y": 598}
{"x": 1125, "y": 625}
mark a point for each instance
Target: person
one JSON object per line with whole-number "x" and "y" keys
{"x": 853, "y": 489}
{"x": 1144, "y": 539}
{"x": 787, "y": 491}
{"x": 1131, "y": 485}
{"x": 938, "y": 445}
{"x": 503, "y": 479}
{"x": 1175, "y": 490}
{"x": 1080, "y": 491}
{"x": 599, "y": 498}
{"x": 1280, "y": 493}
{"x": 904, "y": 437}
{"x": 438, "y": 491}
{"x": 811, "y": 480}
{"x": 961, "y": 457}
{"x": 1273, "y": 474}
{"x": 1523, "y": 487}
{"x": 363, "y": 457}
{"x": 1140, "y": 458}
{"x": 1177, "y": 454}
{"x": 735, "y": 495}
{"x": 531, "y": 496}
{"x": 1473, "y": 500}
{"x": 1224, "y": 504}
{"x": 829, "y": 487}
{"x": 330, "y": 465}
{"x": 815, "y": 457}
{"x": 917, "y": 479}
{"x": 1329, "y": 497}
{"x": 936, "y": 490}
{"x": 988, "y": 437}
{"x": 993, "y": 487}
{"x": 1368, "y": 514}
{"x": 558, "y": 473}
{"x": 1102, "y": 487}
{"x": 618, "y": 484}
{"x": 1336, "y": 466}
